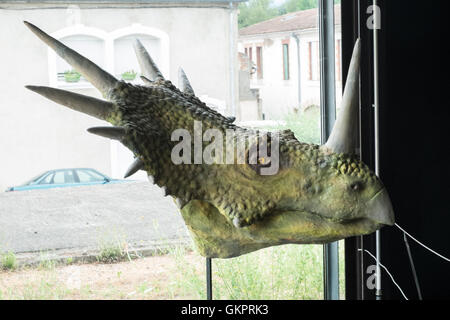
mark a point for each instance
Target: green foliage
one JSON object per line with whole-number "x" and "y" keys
{"x": 112, "y": 245}
{"x": 282, "y": 272}
{"x": 255, "y": 11}
{"x": 305, "y": 125}
{"x": 8, "y": 261}
{"x": 297, "y": 5}
{"x": 129, "y": 75}
{"x": 46, "y": 262}
{"x": 72, "y": 76}
{"x": 190, "y": 280}
{"x": 111, "y": 253}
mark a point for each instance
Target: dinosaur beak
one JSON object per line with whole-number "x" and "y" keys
{"x": 379, "y": 209}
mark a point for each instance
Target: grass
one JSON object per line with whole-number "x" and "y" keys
{"x": 281, "y": 272}
{"x": 112, "y": 246}
{"x": 305, "y": 125}
{"x": 291, "y": 272}
{"x": 8, "y": 261}
{"x": 112, "y": 252}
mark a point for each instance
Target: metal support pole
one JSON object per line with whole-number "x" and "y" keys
{"x": 299, "y": 73}
{"x": 208, "y": 279}
{"x": 413, "y": 268}
{"x": 328, "y": 117}
{"x": 378, "y": 292}
{"x": 233, "y": 53}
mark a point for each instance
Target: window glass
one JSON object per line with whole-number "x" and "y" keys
{"x": 47, "y": 179}
{"x": 126, "y": 67}
{"x": 59, "y": 177}
{"x": 259, "y": 62}
{"x": 88, "y": 46}
{"x": 285, "y": 61}
{"x": 254, "y": 89}
{"x": 89, "y": 176}
{"x": 314, "y": 63}
{"x": 69, "y": 176}
{"x": 34, "y": 180}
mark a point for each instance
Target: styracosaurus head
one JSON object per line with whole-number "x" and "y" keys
{"x": 316, "y": 194}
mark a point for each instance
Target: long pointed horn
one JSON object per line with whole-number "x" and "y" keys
{"x": 92, "y": 106}
{"x": 99, "y": 78}
{"x": 343, "y": 137}
{"x": 183, "y": 83}
{"x": 134, "y": 167}
{"x": 115, "y": 133}
{"x": 148, "y": 66}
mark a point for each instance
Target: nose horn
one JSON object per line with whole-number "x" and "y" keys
{"x": 379, "y": 209}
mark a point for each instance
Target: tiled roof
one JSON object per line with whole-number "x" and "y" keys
{"x": 299, "y": 20}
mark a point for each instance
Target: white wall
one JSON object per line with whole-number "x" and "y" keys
{"x": 37, "y": 134}
{"x": 279, "y": 97}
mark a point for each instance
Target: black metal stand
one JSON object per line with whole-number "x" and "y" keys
{"x": 208, "y": 279}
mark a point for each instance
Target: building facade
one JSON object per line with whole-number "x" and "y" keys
{"x": 285, "y": 51}
{"x": 37, "y": 135}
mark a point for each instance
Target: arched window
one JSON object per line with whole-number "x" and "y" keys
{"x": 111, "y": 51}
{"x": 90, "y": 42}
{"x": 125, "y": 62}
{"x": 91, "y": 47}
{"x": 155, "y": 41}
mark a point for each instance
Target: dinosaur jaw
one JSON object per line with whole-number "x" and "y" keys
{"x": 216, "y": 237}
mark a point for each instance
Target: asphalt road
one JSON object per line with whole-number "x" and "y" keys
{"x": 88, "y": 217}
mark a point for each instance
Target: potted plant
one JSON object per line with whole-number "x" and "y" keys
{"x": 72, "y": 76}
{"x": 129, "y": 75}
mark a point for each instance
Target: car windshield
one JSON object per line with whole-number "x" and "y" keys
{"x": 35, "y": 179}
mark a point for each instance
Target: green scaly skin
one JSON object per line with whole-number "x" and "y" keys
{"x": 316, "y": 196}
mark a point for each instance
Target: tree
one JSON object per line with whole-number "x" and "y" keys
{"x": 297, "y": 5}
{"x": 255, "y": 11}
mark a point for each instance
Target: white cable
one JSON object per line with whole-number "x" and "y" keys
{"x": 387, "y": 271}
{"x": 440, "y": 255}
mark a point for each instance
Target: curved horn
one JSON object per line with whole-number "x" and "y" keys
{"x": 343, "y": 137}
{"x": 148, "y": 66}
{"x": 183, "y": 82}
{"x": 101, "y": 79}
{"x": 92, "y": 106}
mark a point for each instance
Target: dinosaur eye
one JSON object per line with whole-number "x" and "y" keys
{"x": 254, "y": 157}
{"x": 262, "y": 162}
{"x": 356, "y": 186}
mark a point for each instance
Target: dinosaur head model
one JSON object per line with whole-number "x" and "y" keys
{"x": 233, "y": 202}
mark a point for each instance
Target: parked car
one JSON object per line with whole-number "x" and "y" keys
{"x": 66, "y": 178}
